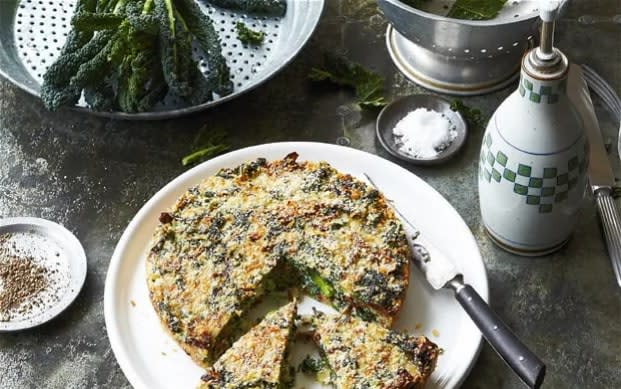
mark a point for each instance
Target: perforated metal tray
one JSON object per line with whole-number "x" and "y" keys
{"x": 32, "y": 32}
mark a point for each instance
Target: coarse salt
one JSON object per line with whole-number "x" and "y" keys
{"x": 424, "y": 133}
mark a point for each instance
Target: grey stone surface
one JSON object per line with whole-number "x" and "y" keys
{"x": 93, "y": 174}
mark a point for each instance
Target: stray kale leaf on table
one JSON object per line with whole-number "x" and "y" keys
{"x": 368, "y": 85}
{"x": 472, "y": 116}
{"x": 208, "y": 144}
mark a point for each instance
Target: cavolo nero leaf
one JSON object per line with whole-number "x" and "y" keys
{"x": 208, "y": 144}
{"x": 476, "y": 9}
{"x": 472, "y": 116}
{"x": 204, "y": 154}
{"x": 467, "y": 9}
{"x": 325, "y": 288}
{"x": 368, "y": 85}
{"x": 260, "y": 7}
{"x": 319, "y": 368}
{"x": 249, "y": 36}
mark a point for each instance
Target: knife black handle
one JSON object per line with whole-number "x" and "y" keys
{"x": 523, "y": 361}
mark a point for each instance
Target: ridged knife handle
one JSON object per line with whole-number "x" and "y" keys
{"x": 611, "y": 223}
{"x": 523, "y": 361}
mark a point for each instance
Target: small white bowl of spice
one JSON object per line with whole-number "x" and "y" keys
{"x": 421, "y": 129}
{"x": 42, "y": 269}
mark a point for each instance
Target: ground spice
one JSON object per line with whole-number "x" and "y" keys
{"x": 22, "y": 283}
{"x": 30, "y": 281}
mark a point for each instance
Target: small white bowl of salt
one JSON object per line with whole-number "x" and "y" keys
{"x": 421, "y": 129}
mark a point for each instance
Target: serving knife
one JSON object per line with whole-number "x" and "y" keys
{"x": 441, "y": 273}
{"x": 601, "y": 177}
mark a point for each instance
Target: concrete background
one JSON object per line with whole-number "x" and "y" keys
{"x": 93, "y": 174}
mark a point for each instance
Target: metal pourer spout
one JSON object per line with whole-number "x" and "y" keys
{"x": 546, "y": 52}
{"x": 546, "y": 61}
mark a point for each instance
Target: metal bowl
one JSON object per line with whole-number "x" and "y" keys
{"x": 460, "y": 57}
{"x": 32, "y": 33}
{"x": 395, "y": 111}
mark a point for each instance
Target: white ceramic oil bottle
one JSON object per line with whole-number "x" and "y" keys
{"x": 534, "y": 156}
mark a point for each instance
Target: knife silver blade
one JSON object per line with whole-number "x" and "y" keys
{"x": 438, "y": 269}
{"x": 600, "y": 170}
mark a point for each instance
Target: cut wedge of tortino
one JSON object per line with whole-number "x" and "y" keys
{"x": 367, "y": 355}
{"x": 258, "y": 360}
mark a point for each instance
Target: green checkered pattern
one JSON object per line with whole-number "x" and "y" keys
{"x": 541, "y": 93}
{"x": 542, "y": 188}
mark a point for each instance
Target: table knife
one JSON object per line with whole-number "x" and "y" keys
{"x": 441, "y": 273}
{"x": 601, "y": 177}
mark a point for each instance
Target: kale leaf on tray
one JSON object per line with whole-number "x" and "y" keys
{"x": 261, "y": 7}
{"x": 249, "y": 36}
{"x": 128, "y": 55}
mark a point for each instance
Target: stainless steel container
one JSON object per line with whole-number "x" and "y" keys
{"x": 460, "y": 57}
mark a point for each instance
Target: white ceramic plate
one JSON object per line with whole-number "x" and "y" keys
{"x": 151, "y": 359}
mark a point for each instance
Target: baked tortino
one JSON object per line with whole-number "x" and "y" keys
{"x": 230, "y": 239}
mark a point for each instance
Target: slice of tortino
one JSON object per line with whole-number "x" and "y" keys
{"x": 205, "y": 270}
{"x": 367, "y": 355}
{"x": 258, "y": 359}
